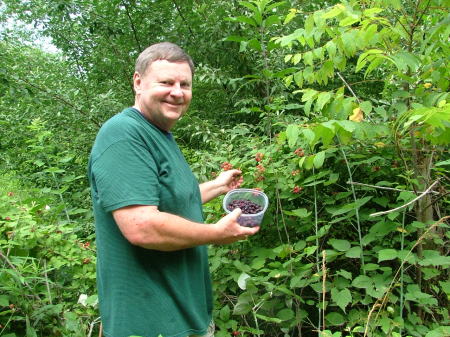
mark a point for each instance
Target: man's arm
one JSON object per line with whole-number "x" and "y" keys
{"x": 225, "y": 182}
{"x": 147, "y": 227}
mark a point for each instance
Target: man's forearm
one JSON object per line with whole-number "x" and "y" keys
{"x": 147, "y": 227}
{"x": 210, "y": 190}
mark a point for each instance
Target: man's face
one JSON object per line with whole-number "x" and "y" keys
{"x": 164, "y": 92}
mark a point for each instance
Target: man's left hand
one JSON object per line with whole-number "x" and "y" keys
{"x": 229, "y": 180}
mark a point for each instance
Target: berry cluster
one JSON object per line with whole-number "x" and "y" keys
{"x": 299, "y": 152}
{"x": 297, "y": 189}
{"x": 226, "y": 166}
{"x": 247, "y": 206}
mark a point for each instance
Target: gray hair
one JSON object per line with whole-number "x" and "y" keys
{"x": 162, "y": 51}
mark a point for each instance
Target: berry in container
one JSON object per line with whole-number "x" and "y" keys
{"x": 253, "y": 204}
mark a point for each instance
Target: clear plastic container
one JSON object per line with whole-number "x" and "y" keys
{"x": 250, "y": 198}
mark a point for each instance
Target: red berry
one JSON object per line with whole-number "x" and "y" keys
{"x": 236, "y": 333}
{"x": 299, "y": 152}
{"x": 297, "y": 189}
{"x": 7, "y": 218}
{"x": 259, "y": 156}
{"x": 226, "y": 166}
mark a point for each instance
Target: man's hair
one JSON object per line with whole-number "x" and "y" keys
{"x": 162, "y": 51}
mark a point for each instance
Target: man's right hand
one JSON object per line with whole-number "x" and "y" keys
{"x": 231, "y": 230}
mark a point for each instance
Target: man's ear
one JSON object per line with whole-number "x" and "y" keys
{"x": 136, "y": 82}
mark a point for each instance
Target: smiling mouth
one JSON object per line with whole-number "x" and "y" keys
{"x": 174, "y": 104}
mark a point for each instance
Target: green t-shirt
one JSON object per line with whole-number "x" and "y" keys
{"x": 146, "y": 292}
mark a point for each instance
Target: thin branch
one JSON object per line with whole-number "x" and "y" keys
{"x": 47, "y": 283}
{"x": 183, "y": 18}
{"x": 408, "y": 203}
{"x": 133, "y": 28}
{"x": 58, "y": 98}
{"x": 324, "y": 288}
{"x": 348, "y": 86}
{"x": 387, "y": 188}
{"x": 385, "y": 297}
{"x": 13, "y": 267}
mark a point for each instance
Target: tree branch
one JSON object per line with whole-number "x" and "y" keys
{"x": 408, "y": 203}
{"x": 387, "y": 188}
{"x": 348, "y": 86}
{"x": 133, "y": 28}
{"x": 183, "y": 18}
{"x": 58, "y": 98}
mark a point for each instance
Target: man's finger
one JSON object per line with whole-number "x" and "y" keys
{"x": 236, "y": 213}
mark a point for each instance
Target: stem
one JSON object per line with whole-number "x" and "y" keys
{"x": 282, "y": 217}
{"x": 402, "y": 244}
{"x": 280, "y": 211}
{"x": 47, "y": 282}
{"x": 356, "y": 209}
{"x": 408, "y": 203}
{"x": 348, "y": 86}
{"x": 388, "y": 188}
{"x": 133, "y": 28}
{"x": 377, "y": 304}
{"x": 61, "y": 197}
{"x": 324, "y": 290}
{"x": 316, "y": 231}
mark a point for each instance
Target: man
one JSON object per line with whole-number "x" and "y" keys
{"x": 152, "y": 267}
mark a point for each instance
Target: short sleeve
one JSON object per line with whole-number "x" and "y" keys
{"x": 125, "y": 174}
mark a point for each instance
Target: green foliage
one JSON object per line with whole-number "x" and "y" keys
{"x": 45, "y": 266}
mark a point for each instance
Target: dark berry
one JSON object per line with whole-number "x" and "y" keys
{"x": 247, "y": 206}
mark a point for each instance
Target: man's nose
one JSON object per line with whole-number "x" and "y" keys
{"x": 176, "y": 90}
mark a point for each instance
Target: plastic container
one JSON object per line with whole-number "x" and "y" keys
{"x": 250, "y": 197}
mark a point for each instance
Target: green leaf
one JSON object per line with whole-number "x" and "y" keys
{"x": 242, "y": 308}
{"x": 354, "y": 252}
{"x": 295, "y": 60}
{"x": 387, "y": 254}
{"x": 250, "y": 6}
{"x": 340, "y": 245}
{"x": 292, "y": 132}
{"x": 348, "y": 207}
{"x": 322, "y": 99}
{"x": 366, "y": 106}
{"x": 335, "y": 318}
{"x": 310, "y": 250}
{"x": 335, "y": 11}
{"x": 285, "y": 314}
{"x": 348, "y": 21}
{"x": 291, "y": 15}
{"x": 300, "y": 212}
{"x": 272, "y": 20}
{"x": 269, "y": 319}
{"x": 433, "y": 258}
{"x": 372, "y": 11}
{"x": 235, "y": 38}
{"x": 246, "y": 20}
{"x": 242, "y": 281}
{"x": 362, "y": 281}
{"x": 319, "y": 159}
{"x": 224, "y": 313}
{"x": 4, "y": 301}
{"x": 309, "y": 162}
{"x": 441, "y": 331}
{"x": 341, "y": 298}
{"x": 31, "y": 332}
